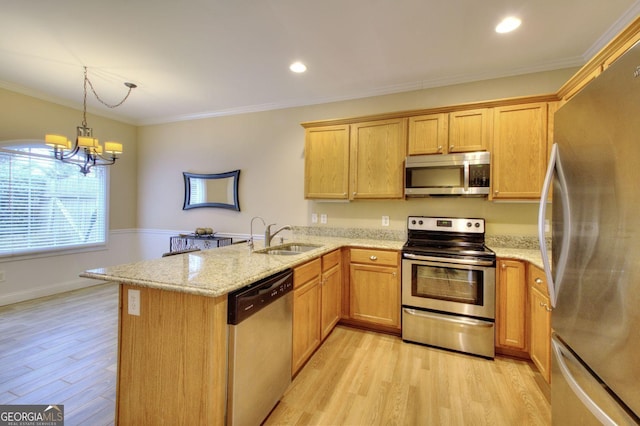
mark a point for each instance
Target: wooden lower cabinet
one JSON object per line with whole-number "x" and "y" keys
{"x": 306, "y": 312}
{"x": 511, "y": 307}
{"x": 374, "y": 287}
{"x": 331, "y": 305}
{"x": 317, "y": 298}
{"x": 540, "y": 330}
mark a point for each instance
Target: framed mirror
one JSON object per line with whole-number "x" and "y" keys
{"x": 211, "y": 190}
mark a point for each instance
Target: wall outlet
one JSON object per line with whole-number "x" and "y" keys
{"x": 133, "y": 305}
{"x": 323, "y": 218}
{"x": 385, "y": 220}
{"x": 1, "y": 276}
{"x": 314, "y": 217}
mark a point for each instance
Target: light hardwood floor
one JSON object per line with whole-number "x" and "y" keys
{"x": 365, "y": 378}
{"x": 62, "y": 349}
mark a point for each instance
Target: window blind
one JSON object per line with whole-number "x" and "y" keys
{"x": 46, "y": 204}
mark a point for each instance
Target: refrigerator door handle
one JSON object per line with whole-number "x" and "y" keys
{"x": 554, "y": 165}
{"x": 561, "y": 353}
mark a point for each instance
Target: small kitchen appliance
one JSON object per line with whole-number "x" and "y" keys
{"x": 464, "y": 174}
{"x": 449, "y": 285}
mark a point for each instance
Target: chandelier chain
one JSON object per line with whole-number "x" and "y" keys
{"x": 87, "y": 81}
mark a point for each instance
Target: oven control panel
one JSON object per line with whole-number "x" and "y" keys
{"x": 446, "y": 224}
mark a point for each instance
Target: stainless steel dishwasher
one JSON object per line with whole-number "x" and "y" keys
{"x": 260, "y": 335}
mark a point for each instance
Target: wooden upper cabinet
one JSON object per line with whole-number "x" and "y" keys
{"x": 519, "y": 152}
{"x": 428, "y": 134}
{"x": 444, "y": 133}
{"x": 326, "y": 162}
{"x": 378, "y": 150}
{"x": 469, "y": 130}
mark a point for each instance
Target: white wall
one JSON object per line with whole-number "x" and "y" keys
{"x": 32, "y": 277}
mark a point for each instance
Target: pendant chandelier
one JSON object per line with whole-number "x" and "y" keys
{"x": 87, "y": 151}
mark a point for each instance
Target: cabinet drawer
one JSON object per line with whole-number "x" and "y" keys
{"x": 538, "y": 280}
{"x": 305, "y": 273}
{"x": 330, "y": 260}
{"x": 374, "y": 257}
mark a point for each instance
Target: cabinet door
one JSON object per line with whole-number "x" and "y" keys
{"x": 306, "y": 323}
{"x": 519, "y": 152}
{"x": 375, "y": 294}
{"x": 540, "y": 345}
{"x": 378, "y": 150}
{"x": 331, "y": 299}
{"x": 511, "y": 305}
{"x": 428, "y": 134}
{"x": 326, "y": 162}
{"x": 540, "y": 326}
{"x": 469, "y": 130}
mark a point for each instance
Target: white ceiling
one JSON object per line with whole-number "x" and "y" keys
{"x": 201, "y": 58}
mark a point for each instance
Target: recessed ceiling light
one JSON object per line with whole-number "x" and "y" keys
{"x": 298, "y": 67}
{"x": 508, "y": 24}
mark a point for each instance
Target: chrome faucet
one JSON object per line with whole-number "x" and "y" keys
{"x": 268, "y": 236}
{"x": 251, "y": 231}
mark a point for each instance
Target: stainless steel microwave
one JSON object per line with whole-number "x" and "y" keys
{"x": 465, "y": 174}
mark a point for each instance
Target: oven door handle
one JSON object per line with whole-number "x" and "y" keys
{"x": 456, "y": 320}
{"x": 477, "y": 262}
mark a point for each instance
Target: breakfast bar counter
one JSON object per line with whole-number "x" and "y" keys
{"x": 218, "y": 271}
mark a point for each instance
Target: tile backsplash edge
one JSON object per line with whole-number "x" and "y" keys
{"x": 508, "y": 241}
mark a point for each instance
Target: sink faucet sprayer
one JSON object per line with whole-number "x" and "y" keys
{"x": 268, "y": 236}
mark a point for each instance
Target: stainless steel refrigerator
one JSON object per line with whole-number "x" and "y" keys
{"x": 594, "y": 272}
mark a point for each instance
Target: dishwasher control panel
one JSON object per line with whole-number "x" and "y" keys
{"x": 248, "y": 300}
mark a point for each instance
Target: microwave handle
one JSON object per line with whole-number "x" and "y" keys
{"x": 466, "y": 176}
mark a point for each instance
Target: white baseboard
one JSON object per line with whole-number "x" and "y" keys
{"x": 36, "y": 292}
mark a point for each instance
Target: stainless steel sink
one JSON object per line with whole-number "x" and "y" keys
{"x": 289, "y": 249}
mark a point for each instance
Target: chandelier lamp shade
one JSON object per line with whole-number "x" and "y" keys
{"x": 87, "y": 152}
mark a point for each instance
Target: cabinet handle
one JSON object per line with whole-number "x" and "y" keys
{"x": 546, "y": 307}
{"x": 354, "y": 192}
{"x": 503, "y": 265}
{"x": 440, "y": 148}
{"x": 450, "y": 147}
{"x": 538, "y": 280}
{"x": 374, "y": 258}
{"x": 495, "y": 192}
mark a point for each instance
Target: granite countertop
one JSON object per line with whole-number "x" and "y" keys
{"x": 218, "y": 271}
{"x": 518, "y": 247}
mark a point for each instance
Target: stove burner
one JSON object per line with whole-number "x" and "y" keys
{"x": 447, "y": 237}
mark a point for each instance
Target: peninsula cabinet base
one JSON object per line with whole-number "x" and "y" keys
{"x": 171, "y": 359}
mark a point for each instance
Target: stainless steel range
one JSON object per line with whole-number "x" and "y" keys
{"x": 449, "y": 285}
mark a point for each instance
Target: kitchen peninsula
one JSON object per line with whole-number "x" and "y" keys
{"x": 172, "y": 346}
{"x": 172, "y": 356}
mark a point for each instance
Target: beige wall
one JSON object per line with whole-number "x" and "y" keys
{"x": 268, "y": 149}
{"x": 24, "y": 117}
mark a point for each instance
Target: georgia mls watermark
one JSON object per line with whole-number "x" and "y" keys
{"x": 31, "y": 415}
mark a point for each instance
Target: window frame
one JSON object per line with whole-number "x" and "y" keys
{"x": 13, "y": 147}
